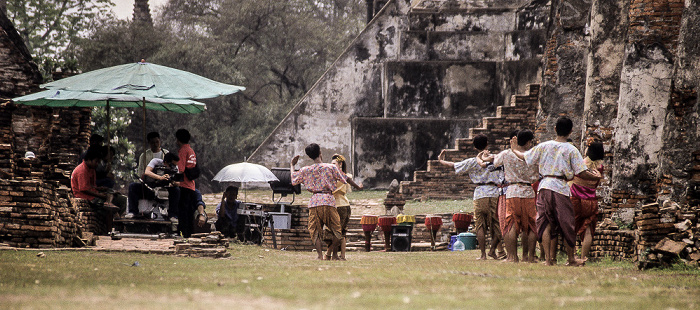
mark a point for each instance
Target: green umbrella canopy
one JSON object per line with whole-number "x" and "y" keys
{"x": 145, "y": 80}
{"x": 65, "y": 98}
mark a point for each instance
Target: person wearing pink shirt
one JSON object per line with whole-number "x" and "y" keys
{"x": 321, "y": 179}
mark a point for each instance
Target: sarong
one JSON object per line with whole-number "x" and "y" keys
{"x": 586, "y": 215}
{"x": 486, "y": 215}
{"x": 323, "y": 215}
{"x": 502, "y": 214}
{"x": 344, "y": 215}
{"x": 521, "y": 211}
{"x": 555, "y": 209}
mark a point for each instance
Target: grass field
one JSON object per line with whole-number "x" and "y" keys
{"x": 255, "y": 278}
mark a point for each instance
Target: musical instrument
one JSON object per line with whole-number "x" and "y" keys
{"x": 407, "y": 220}
{"x": 433, "y": 224}
{"x": 462, "y": 221}
{"x": 369, "y": 224}
{"x": 385, "y": 222}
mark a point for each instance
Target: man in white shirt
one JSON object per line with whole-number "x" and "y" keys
{"x": 137, "y": 190}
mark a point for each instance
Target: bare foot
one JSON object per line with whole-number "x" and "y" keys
{"x": 483, "y": 257}
{"x": 576, "y": 263}
{"x": 492, "y": 255}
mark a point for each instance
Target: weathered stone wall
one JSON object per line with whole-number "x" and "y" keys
{"x": 436, "y": 62}
{"x": 608, "y": 28}
{"x": 563, "y": 83}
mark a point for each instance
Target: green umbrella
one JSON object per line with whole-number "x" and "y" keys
{"x": 66, "y": 98}
{"x": 145, "y": 80}
{"x": 142, "y": 84}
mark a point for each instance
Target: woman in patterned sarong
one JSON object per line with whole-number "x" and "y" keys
{"x": 584, "y": 199}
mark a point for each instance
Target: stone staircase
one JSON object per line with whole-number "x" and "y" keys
{"x": 457, "y": 64}
{"x": 440, "y": 182}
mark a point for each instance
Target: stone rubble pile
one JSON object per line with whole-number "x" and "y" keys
{"x": 203, "y": 245}
{"x": 667, "y": 234}
{"x": 36, "y": 214}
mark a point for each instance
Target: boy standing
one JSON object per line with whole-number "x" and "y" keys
{"x": 485, "y": 197}
{"x": 520, "y": 209}
{"x": 320, "y": 179}
{"x": 187, "y": 206}
{"x": 557, "y": 161}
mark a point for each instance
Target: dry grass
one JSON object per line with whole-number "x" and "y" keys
{"x": 255, "y": 278}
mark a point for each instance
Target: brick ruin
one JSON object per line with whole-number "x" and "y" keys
{"x": 36, "y": 206}
{"x": 626, "y": 72}
{"x": 427, "y": 75}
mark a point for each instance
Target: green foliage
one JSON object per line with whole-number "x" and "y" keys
{"x": 119, "y": 120}
{"x": 276, "y": 49}
{"x": 50, "y": 27}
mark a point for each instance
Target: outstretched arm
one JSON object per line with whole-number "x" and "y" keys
{"x": 355, "y": 185}
{"x": 589, "y": 174}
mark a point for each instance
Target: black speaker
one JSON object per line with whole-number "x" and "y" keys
{"x": 401, "y": 238}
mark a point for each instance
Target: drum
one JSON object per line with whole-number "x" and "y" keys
{"x": 385, "y": 222}
{"x": 462, "y": 221}
{"x": 433, "y": 222}
{"x": 407, "y": 220}
{"x": 369, "y": 222}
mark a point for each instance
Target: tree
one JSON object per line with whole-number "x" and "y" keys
{"x": 118, "y": 122}
{"x": 49, "y": 27}
{"x": 276, "y": 49}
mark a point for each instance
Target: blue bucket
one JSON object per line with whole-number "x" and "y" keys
{"x": 469, "y": 240}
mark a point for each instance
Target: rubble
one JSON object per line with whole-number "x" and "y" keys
{"x": 667, "y": 235}
{"x": 203, "y": 245}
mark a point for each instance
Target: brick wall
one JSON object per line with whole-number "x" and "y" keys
{"x": 39, "y": 214}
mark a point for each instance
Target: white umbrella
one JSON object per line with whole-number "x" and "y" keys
{"x": 245, "y": 173}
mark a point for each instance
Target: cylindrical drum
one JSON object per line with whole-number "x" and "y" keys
{"x": 462, "y": 221}
{"x": 433, "y": 222}
{"x": 369, "y": 222}
{"x": 407, "y": 220}
{"x": 385, "y": 222}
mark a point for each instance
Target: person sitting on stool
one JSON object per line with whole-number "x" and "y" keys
{"x": 227, "y": 212}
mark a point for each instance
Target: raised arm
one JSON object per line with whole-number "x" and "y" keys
{"x": 484, "y": 158}
{"x": 294, "y": 161}
{"x": 513, "y": 146}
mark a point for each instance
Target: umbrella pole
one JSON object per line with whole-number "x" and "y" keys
{"x": 109, "y": 120}
{"x": 143, "y": 127}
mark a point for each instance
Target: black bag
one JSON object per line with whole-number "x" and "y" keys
{"x": 193, "y": 173}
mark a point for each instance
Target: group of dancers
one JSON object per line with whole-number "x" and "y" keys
{"x": 549, "y": 189}
{"x": 536, "y": 192}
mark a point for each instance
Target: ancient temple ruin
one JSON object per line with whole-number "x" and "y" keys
{"x": 426, "y": 75}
